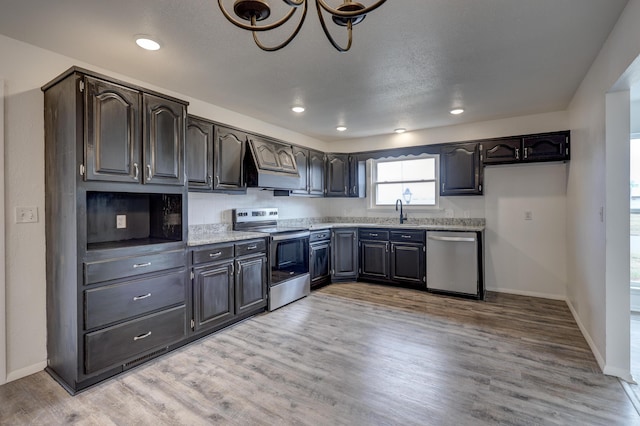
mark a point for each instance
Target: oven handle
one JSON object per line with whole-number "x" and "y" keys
{"x": 291, "y": 236}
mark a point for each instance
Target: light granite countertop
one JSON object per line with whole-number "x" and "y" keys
{"x": 431, "y": 227}
{"x": 200, "y": 239}
{"x": 200, "y": 235}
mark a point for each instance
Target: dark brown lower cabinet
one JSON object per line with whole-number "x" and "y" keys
{"x": 393, "y": 256}
{"x": 120, "y": 343}
{"x": 251, "y": 283}
{"x": 374, "y": 260}
{"x": 213, "y": 295}
{"x": 407, "y": 263}
{"x": 344, "y": 256}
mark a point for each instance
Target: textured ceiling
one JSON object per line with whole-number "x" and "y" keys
{"x": 411, "y": 60}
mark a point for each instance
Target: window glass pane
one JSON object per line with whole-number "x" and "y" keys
{"x": 390, "y": 171}
{"x": 398, "y": 171}
{"x": 423, "y": 193}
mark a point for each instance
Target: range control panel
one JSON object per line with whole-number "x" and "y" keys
{"x": 255, "y": 215}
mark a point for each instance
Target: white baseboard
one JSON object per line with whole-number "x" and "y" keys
{"x": 529, "y": 293}
{"x": 620, "y": 373}
{"x": 587, "y": 337}
{"x": 26, "y": 371}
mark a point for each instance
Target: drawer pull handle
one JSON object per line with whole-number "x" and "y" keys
{"x": 142, "y": 297}
{"x": 142, "y": 336}
{"x": 142, "y": 265}
{"x": 406, "y": 236}
{"x": 252, "y": 247}
{"x": 216, "y": 254}
{"x": 373, "y": 235}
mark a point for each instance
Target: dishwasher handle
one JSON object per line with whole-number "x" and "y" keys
{"x": 453, "y": 239}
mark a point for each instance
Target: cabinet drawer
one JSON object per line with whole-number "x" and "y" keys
{"x": 325, "y": 234}
{"x": 408, "y": 236}
{"x": 117, "y": 302}
{"x": 374, "y": 234}
{"x": 111, "y": 269}
{"x": 115, "y": 345}
{"x": 251, "y": 247}
{"x": 212, "y": 254}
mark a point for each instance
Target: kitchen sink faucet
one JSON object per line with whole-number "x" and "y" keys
{"x": 402, "y": 217}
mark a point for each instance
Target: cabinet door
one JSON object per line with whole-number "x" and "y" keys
{"x": 319, "y": 267}
{"x": 213, "y": 292}
{"x": 407, "y": 263}
{"x": 344, "y": 264}
{"x": 554, "y": 147}
{"x": 337, "y": 175}
{"x": 199, "y": 154}
{"x": 357, "y": 178}
{"x": 503, "y": 151}
{"x": 374, "y": 259}
{"x": 251, "y": 284}
{"x": 228, "y": 154}
{"x": 460, "y": 171}
{"x": 316, "y": 173}
{"x": 302, "y": 161}
{"x": 286, "y": 160}
{"x": 164, "y": 141}
{"x": 113, "y": 140}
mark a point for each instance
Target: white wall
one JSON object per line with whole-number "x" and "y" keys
{"x": 586, "y": 187}
{"x": 526, "y": 256}
{"x": 3, "y": 304}
{"x": 216, "y": 208}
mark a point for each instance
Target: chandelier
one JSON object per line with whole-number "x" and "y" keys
{"x": 347, "y": 15}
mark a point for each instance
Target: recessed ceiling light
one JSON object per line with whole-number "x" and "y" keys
{"x": 400, "y": 130}
{"x": 341, "y": 128}
{"x": 297, "y": 109}
{"x": 457, "y": 111}
{"x": 147, "y": 43}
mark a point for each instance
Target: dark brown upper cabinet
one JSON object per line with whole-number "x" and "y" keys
{"x": 115, "y": 148}
{"x": 113, "y": 141}
{"x": 549, "y": 147}
{"x": 228, "y": 156}
{"x": 502, "y": 151}
{"x": 310, "y": 164}
{"x": 527, "y": 149}
{"x": 215, "y": 157}
{"x": 316, "y": 172}
{"x": 460, "y": 170}
{"x": 199, "y": 162}
{"x": 337, "y": 177}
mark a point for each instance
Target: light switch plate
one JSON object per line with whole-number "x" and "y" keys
{"x": 121, "y": 221}
{"x": 26, "y": 214}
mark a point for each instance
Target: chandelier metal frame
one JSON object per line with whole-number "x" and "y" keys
{"x": 348, "y": 14}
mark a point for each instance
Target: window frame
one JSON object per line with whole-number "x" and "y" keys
{"x": 372, "y": 183}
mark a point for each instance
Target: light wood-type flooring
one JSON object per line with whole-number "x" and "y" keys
{"x": 357, "y": 354}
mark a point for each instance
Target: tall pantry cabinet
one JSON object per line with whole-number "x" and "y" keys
{"x": 116, "y": 209}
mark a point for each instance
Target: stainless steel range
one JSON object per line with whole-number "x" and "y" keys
{"x": 288, "y": 254}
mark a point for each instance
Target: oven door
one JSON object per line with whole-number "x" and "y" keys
{"x": 289, "y": 256}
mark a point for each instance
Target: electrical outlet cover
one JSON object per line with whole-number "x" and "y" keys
{"x": 121, "y": 221}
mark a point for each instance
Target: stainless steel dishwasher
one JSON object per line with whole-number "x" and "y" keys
{"x": 452, "y": 262}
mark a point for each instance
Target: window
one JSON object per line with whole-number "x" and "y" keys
{"x": 414, "y": 181}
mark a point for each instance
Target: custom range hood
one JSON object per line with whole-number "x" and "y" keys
{"x": 270, "y": 165}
